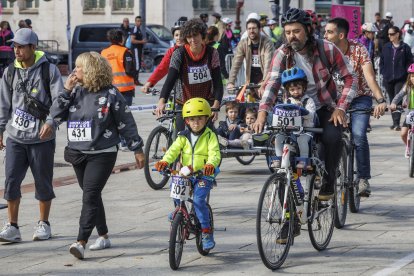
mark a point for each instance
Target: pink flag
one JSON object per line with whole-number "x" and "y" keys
{"x": 352, "y": 14}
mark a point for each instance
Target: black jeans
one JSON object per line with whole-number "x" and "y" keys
{"x": 92, "y": 176}
{"x": 332, "y": 142}
{"x": 392, "y": 88}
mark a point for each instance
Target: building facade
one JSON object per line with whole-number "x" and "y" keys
{"x": 49, "y": 17}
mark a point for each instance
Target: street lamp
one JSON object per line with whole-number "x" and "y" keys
{"x": 238, "y": 8}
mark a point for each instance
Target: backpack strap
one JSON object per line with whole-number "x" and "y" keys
{"x": 322, "y": 54}
{"x": 10, "y": 76}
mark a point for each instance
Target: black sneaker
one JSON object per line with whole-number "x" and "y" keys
{"x": 326, "y": 193}
{"x": 283, "y": 236}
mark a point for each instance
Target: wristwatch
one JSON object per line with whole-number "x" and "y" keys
{"x": 381, "y": 100}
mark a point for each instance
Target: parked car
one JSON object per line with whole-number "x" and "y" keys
{"x": 92, "y": 37}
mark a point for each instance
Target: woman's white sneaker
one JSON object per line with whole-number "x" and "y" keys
{"x": 77, "y": 250}
{"x": 100, "y": 243}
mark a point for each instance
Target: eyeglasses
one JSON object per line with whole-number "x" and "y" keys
{"x": 391, "y": 34}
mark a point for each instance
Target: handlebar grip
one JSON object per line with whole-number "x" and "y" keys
{"x": 313, "y": 129}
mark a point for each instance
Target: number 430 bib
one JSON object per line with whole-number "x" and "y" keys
{"x": 79, "y": 131}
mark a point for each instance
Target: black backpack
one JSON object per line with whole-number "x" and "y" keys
{"x": 45, "y": 76}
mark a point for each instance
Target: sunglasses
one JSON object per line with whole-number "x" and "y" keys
{"x": 391, "y": 34}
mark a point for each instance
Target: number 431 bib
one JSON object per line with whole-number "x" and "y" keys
{"x": 79, "y": 131}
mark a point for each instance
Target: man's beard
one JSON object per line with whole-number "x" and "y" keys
{"x": 297, "y": 45}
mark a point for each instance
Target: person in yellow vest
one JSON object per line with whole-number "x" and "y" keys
{"x": 122, "y": 62}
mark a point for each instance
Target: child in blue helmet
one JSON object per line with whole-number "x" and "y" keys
{"x": 295, "y": 82}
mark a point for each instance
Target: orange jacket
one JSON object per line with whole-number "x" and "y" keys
{"x": 115, "y": 55}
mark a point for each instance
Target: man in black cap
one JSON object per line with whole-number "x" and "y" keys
{"x": 204, "y": 18}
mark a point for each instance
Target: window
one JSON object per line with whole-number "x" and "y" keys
{"x": 201, "y": 4}
{"x": 93, "y": 34}
{"x": 123, "y": 5}
{"x": 6, "y": 4}
{"x": 228, "y": 4}
{"x": 162, "y": 32}
{"x": 31, "y": 4}
{"x": 94, "y": 5}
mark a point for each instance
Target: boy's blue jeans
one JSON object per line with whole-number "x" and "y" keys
{"x": 200, "y": 192}
{"x": 359, "y": 131}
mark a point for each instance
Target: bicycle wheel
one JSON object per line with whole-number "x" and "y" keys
{"x": 411, "y": 159}
{"x": 246, "y": 160}
{"x": 354, "y": 198}
{"x": 199, "y": 241}
{"x": 157, "y": 144}
{"x": 271, "y": 152}
{"x": 321, "y": 218}
{"x": 177, "y": 239}
{"x": 269, "y": 222}
{"x": 341, "y": 192}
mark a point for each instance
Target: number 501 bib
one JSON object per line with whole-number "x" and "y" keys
{"x": 79, "y": 131}
{"x": 198, "y": 74}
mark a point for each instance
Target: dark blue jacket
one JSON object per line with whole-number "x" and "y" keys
{"x": 395, "y": 69}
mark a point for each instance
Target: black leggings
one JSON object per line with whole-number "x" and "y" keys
{"x": 332, "y": 141}
{"x": 392, "y": 88}
{"x": 92, "y": 176}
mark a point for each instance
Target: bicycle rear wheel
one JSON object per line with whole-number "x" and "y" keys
{"x": 156, "y": 146}
{"x": 341, "y": 192}
{"x": 411, "y": 159}
{"x": 321, "y": 218}
{"x": 354, "y": 198}
{"x": 199, "y": 241}
{"x": 246, "y": 160}
{"x": 269, "y": 222}
{"x": 177, "y": 240}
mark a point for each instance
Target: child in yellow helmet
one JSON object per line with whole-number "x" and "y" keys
{"x": 199, "y": 150}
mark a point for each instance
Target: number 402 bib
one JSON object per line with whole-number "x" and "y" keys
{"x": 79, "y": 131}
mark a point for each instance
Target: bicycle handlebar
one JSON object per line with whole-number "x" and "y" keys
{"x": 363, "y": 110}
{"x": 249, "y": 86}
{"x": 294, "y": 128}
{"x": 153, "y": 91}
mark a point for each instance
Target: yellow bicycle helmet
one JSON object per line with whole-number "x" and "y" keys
{"x": 196, "y": 107}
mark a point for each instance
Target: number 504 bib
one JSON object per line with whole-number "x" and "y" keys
{"x": 198, "y": 74}
{"x": 79, "y": 131}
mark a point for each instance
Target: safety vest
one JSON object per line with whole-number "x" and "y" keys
{"x": 115, "y": 55}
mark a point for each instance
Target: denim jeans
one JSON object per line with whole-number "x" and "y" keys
{"x": 200, "y": 192}
{"x": 359, "y": 131}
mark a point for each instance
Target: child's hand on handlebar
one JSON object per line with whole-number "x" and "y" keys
{"x": 161, "y": 165}
{"x": 393, "y": 107}
{"x": 208, "y": 169}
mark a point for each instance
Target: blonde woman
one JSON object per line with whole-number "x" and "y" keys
{"x": 96, "y": 115}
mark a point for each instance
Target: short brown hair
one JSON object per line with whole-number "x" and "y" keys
{"x": 252, "y": 111}
{"x": 193, "y": 27}
{"x": 232, "y": 105}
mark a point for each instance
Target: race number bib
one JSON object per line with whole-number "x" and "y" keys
{"x": 79, "y": 131}
{"x": 23, "y": 121}
{"x": 282, "y": 117}
{"x": 198, "y": 74}
{"x": 410, "y": 118}
{"x": 180, "y": 188}
{"x": 255, "y": 61}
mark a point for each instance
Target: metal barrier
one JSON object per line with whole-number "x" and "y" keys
{"x": 379, "y": 79}
{"x": 241, "y": 76}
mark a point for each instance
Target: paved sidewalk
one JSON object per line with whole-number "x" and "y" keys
{"x": 373, "y": 240}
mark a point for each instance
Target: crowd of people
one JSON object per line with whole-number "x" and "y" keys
{"x": 324, "y": 76}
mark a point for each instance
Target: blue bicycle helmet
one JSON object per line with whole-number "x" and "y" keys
{"x": 295, "y": 15}
{"x": 293, "y": 74}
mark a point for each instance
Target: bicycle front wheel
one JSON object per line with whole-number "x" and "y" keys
{"x": 411, "y": 159}
{"x": 321, "y": 218}
{"x": 177, "y": 240}
{"x": 354, "y": 198}
{"x": 341, "y": 192}
{"x": 199, "y": 241}
{"x": 274, "y": 233}
{"x": 156, "y": 146}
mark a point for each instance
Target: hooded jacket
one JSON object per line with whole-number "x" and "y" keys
{"x": 12, "y": 105}
{"x": 205, "y": 151}
{"x": 394, "y": 68}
